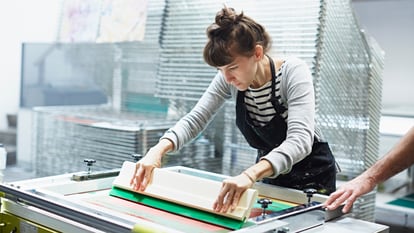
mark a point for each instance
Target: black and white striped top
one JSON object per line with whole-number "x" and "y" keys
{"x": 258, "y": 104}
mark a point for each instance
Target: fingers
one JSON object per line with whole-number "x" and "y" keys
{"x": 236, "y": 199}
{"x": 132, "y": 182}
{"x": 224, "y": 199}
{"x": 219, "y": 203}
{"x": 231, "y": 191}
{"x": 141, "y": 177}
{"x": 348, "y": 204}
{"x": 146, "y": 179}
{"x": 134, "y": 177}
{"x": 138, "y": 177}
{"x": 228, "y": 199}
{"x": 338, "y": 198}
{"x": 333, "y": 197}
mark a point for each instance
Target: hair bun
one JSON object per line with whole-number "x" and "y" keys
{"x": 232, "y": 35}
{"x": 227, "y": 17}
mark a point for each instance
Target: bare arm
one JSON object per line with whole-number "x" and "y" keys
{"x": 399, "y": 158}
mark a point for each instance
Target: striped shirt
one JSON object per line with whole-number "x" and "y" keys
{"x": 258, "y": 104}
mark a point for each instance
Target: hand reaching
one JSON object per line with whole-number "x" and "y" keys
{"x": 349, "y": 192}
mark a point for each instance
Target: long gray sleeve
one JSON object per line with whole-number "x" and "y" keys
{"x": 189, "y": 127}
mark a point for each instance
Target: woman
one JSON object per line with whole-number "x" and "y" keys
{"x": 275, "y": 109}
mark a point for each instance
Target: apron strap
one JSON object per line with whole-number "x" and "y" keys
{"x": 280, "y": 109}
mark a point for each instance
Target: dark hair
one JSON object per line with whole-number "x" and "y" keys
{"x": 233, "y": 34}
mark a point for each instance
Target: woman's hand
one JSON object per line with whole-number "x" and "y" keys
{"x": 231, "y": 192}
{"x": 144, "y": 167}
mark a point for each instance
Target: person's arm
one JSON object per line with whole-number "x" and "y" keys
{"x": 182, "y": 132}
{"x": 190, "y": 126}
{"x": 400, "y": 157}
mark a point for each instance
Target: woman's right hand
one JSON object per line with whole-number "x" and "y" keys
{"x": 143, "y": 168}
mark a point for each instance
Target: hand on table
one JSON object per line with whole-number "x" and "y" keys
{"x": 348, "y": 193}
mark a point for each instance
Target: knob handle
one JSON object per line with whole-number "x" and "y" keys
{"x": 309, "y": 193}
{"x": 264, "y": 202}
{"x": 137, "y": 157}
{"x": 89, "y": 163}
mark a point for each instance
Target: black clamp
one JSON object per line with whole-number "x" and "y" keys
{"x": 137, "y": 157}
{"x": 264, "y": 202}
{"x": 309, "y": 193}
{"x": 89, "y": 163}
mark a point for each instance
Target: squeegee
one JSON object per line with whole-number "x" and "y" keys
{"x": 183, "y": 194}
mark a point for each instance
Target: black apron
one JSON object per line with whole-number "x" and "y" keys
{"x": 317, "y": 170}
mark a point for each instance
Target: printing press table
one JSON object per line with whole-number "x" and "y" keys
{"x": 81, "y": 202}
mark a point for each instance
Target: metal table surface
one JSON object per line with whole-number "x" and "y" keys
{"x": 349, "y": 225}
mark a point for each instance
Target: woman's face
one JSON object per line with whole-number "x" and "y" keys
{"x": 241, "y": 72}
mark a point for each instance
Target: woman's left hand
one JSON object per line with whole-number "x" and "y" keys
{"x": 231, "y": 191}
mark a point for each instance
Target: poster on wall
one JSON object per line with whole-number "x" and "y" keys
{"x": 122, "y": 20}
{"x": 102, "y": 21}
{"x": 79, "y": 20}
